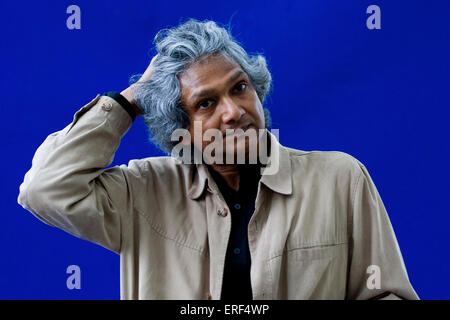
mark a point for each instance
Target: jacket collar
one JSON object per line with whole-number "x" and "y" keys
{"x": 276, "y": 175}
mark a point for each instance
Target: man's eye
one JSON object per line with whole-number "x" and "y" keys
{"x": 204, "y": 104}
{"x": 241, "y": 86}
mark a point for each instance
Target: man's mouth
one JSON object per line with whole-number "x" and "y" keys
{"x": 231, "y": 132}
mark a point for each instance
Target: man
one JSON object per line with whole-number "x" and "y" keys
{"x": 313, "y": 228}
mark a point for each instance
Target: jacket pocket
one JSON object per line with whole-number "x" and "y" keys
{"x": 310, "y": 272}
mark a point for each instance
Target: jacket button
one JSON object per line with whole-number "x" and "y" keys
{"x": 222, "y": 212}
{"x": 107, "y": 107}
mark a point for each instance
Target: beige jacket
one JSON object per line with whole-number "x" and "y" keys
{"x": 318, "y": 229}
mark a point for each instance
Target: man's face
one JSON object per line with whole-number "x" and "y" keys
{"x": 219, "y": 93}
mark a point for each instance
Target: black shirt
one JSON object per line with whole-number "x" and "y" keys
{"x": 236, "y": 278}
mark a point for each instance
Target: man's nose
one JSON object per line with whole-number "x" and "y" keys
{"x": 231, "y": 112}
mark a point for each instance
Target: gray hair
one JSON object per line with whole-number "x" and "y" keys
{"x": 178, "y": 47}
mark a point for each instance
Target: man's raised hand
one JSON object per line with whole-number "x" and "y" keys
{"x": 128, "y": 93}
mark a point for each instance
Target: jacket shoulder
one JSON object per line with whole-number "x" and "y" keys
{"x": 329, "y": 161}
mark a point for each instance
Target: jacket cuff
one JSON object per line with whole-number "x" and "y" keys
{"x": 120, "y": 99}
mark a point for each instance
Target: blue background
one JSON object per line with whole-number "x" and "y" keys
{"x": 379, "y": 95}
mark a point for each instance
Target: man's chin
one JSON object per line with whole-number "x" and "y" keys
{"x": 236, "y": 150}
{"x": 237, "y": 153}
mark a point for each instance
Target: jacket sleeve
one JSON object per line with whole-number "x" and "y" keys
{"x": 376, "y": 269}
{"x": 67, "y": 185}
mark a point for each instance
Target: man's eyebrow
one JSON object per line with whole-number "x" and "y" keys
{"x": 207, "y": 92}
